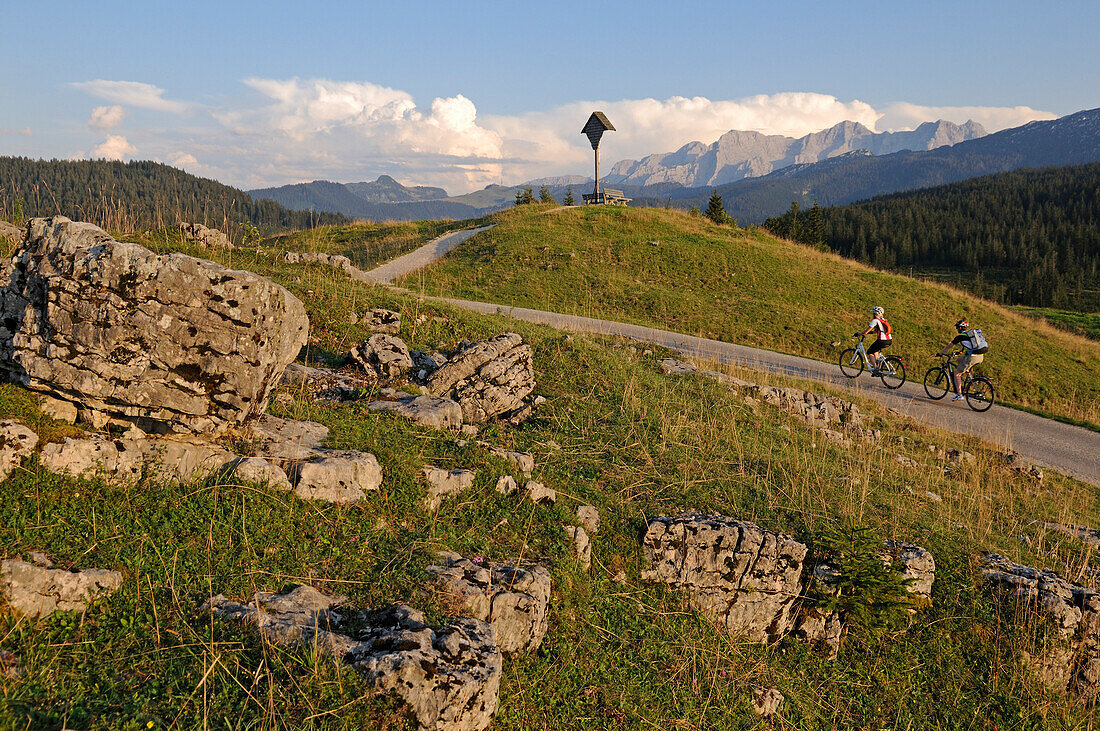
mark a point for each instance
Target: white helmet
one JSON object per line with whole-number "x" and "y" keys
{"x": 878, "y": 312}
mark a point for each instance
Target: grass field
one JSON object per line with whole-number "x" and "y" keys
{"x": 616, "y": 433}
{"x": 1080, "y": 323}
{"x": 670, "y": 270}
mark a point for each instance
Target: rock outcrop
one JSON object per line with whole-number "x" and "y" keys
{"x": 10, "y": 232}
{"x": 383, "y": 321}
{"x": 200, "y": 234}
{"x": 384, "y": 355}
{"x": 443, "y": 482}
{"x": 336, "y": 477}
{"x": 514, "y": 599}
{"x": 17, "y": 440}
{"x": 169, "y": 343}
{"x": 431, "y": 411}
{"x": 36, "y": 590}
{"x": 314, "y": 257}
{"x": 127, "y": 460}
{"x": 488, "y": 378}
{"x": 1069, "y": 658}
{"x": 449, "y": 676}
{"x": 743, "y": 576}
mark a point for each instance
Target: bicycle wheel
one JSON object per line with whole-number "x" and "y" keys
{"x": 851, "y": 364}
{"x": 937, "y": 382}
{"x": 893, "y": 374}
{"x": 979, "y": 394}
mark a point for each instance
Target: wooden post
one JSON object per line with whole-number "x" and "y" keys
{"x": 596, "y": 187}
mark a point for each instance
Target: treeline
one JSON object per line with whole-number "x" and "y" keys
{"x": 132, "y": 196}
{"x": 1029, "y": 237}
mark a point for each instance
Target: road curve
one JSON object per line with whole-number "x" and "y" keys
{"x": 1069, "y": 449}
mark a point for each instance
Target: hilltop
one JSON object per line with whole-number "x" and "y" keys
{"x": 677, "y": 272}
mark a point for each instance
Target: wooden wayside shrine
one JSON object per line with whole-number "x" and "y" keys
{"x": 594, "y": 128}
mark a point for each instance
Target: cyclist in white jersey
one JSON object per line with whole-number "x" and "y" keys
{"x": 882, "y": 327}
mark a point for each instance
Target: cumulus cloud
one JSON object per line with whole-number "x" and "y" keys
{"x": 115, "y": 147}
{"x": 21, "y": 132}
{"x": 902, "y": 115}
{"x": 106, "y": 117}
{"x": 132, "y": 94}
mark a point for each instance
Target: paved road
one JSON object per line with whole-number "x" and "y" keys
{"x": 1069, "y": 449}
{"x": 422, "y": 257}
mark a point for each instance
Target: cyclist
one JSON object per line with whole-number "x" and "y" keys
{"x": 974, "y": 348}
{"x": 882, "y": 327}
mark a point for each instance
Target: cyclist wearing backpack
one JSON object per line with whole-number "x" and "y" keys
{"x": 882, "y": 327}
{"x": 974, "y": 347}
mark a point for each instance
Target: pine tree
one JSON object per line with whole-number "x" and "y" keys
{"x": 545, "y": 196}
{"x": 716, "y": 211}
{"x": 569, "y": 197}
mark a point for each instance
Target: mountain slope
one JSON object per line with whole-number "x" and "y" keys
{"x": 1070, "y": 140}
{"x": 739, "y": 154}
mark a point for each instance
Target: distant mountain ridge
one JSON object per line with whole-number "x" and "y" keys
{"x": 737, "y": 155}
{"x": 858, "y": 175}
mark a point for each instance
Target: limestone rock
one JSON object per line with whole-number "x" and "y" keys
{"x": 432, "y": 411}
{"x": 259, "y": 471}
{"x": 170, "y": 343}
{"x": 506, "y": 485}
{"x": 37, "y": 591}
{"x": 589, "y": 518}
{"x": 384, "y": 355}
{"x": 957, "y": 456}
{"x": 336, "y": 477}
{"x": 581, "y": 544}
{"x": 383, "y": 321}
{"x": 522, "y": 461}
{"x": 766, "y": 701}
{"x": 443, "y": 482}
{"x": 278, "y": 438}
{"x": 1088, "y": 536}
{"x": 59, "y": 409}
{"x": 487, "y": 378}
{"x": 425, "y": 364}
{"x": 914, "y": 563}
{"x": 17, "y": 440}
{"x": 11, "y": 232}
{"x": 315, "y": 257}
{"x": 539, "y": 493}
{"x": 1017, "y": 463}
{"x": 1069, "y": 659}
{"x": 206, "y": 236}
{"x": 125, "y": 461}
{"x": 743, "y": 576}
{"x": 515, "y": 600}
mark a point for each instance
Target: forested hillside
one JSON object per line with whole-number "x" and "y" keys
{"x": 1028, "y": 237}
{"x": 129, "y": 196}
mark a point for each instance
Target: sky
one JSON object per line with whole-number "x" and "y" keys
{"x": 464, "y": 94}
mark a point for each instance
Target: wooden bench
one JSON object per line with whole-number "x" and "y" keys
{"x": 608, "y": 197}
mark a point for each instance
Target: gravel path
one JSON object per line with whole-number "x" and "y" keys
{"x": 1069, "y": 449}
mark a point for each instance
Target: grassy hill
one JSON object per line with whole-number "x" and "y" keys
{"x": 670, "y": 270}
{"x": 621, "y": 653}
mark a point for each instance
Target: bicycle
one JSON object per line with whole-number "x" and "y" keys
{"x": 977, "y": 390}
{"x": 891, "y": 369}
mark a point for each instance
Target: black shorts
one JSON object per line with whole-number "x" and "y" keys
{"x": 878, "y": 345}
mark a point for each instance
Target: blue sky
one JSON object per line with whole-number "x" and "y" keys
{"x": 462, "y": 94}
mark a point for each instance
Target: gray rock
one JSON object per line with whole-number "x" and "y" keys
{"x": 205, "y": 236}
{"x": 384, "y": 355}
{"x": 276, "y": 438}
{"x": 37, "y": 591}
{"x": 126, "y": 461}
{"x": 259, "y": 471}
{"x": 515, "y": 600}
{"x": 537, "y": 492}
{"x": 488, "y": 378}
{"x": 337, "y": 477}
{"x": 383, "y": 321}
{"x": 1088, "y": 536}
{"x": 766, "y": 701}
{"x": 438, "y": 413}
{"x": 589, "y": 518}
{"x": 443, "y": 482}
{"x": 1068, "y": 658}
{"x": 506, "y": 485}
{"x": 905, "y": 461}
{"x": 735, "y": 572}
{"x": 59, "y": 409}
{"x": 582, "y": 546}
{"x": 1017, "y": 463}
{"x": 314, "y": 257}
{"x": 11, "y": 232}
{"x": 914, "y": 563}
{"x": 522, "y": 461}
{"x": 170, "y": 343}
{"x": 17, "y": 440}
{"x": 957, "y": 456}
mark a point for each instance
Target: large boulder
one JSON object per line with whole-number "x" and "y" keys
{"x": 741, "y": 575}
{"x": 170, "y": 343}
{"x": 1069, "y": 656}
{"x": 17, "y": 440}
{"x": 449, "y": 676}
{"x": 386, "y": 356}
{"x": 514, "y": 599}
{"x": 127, "y": 460}
{"x": 487, "y": 378}
{"x": 432, "y": 411}
{"x": 200, "y": 234}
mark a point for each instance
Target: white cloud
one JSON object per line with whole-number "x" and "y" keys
{"x": 132, "y": 94}
{"x": 22, "y": 132}
{"x": 902, "y": 115}
{"x": 115, "y": 147}
{"x": 106, "y": 117}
